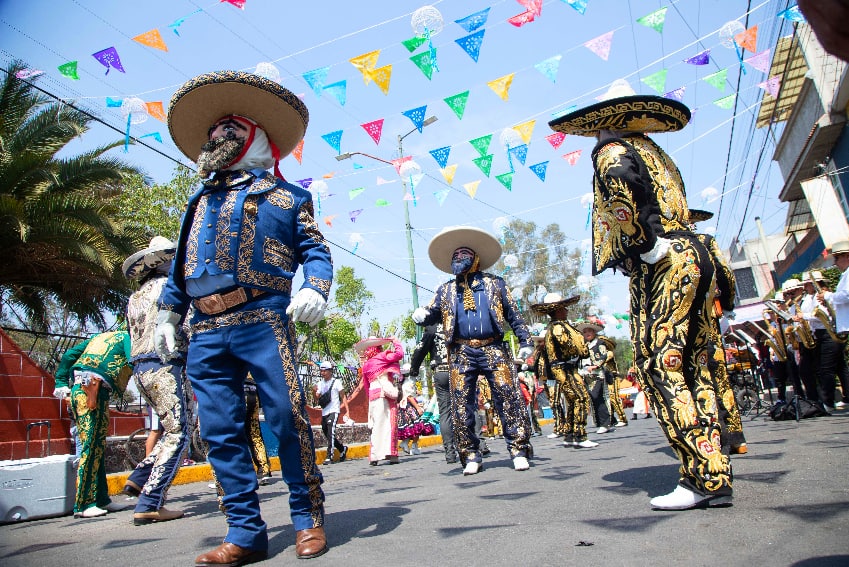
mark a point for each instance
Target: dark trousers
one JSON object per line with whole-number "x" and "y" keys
{"x": 832, "y": 363}
{"x": 601, "y": 411}
{"x": 328, "y": 427}
{"x": 446, "y": 413}
{"x": 808, "y": 365}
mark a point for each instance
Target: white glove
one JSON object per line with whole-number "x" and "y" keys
{"x": 307, "y": 307}
{"x": 165, "y": 334}
{"x": 525, "y": 352}
{"x": 487, "y": 406}
{"x": 660, "y": 249}
{"x": 62, "y": 392}
{"x": 419, "y": 315}
{"x": 729, "y": 314}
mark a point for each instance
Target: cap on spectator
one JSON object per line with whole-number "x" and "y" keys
{"x": 325, "y": 365}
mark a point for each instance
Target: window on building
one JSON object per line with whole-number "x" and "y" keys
{"x": 746, "y": 288}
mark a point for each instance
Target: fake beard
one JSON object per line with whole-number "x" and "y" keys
{"x": 218, "y": 153}
{"x": 461, "y": 266}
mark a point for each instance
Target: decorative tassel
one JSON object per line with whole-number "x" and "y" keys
{"x": 468, "y": 296}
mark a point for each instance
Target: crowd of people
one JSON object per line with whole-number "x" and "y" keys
{"x": 217, "y": 307}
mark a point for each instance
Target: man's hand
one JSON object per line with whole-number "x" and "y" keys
{"x": 525, "y": 352}
{"x": 61, "y": 392}
{"x": 307, "y": 307}
{"x": 165, "y": 335}
{"x": 419, "y": 315}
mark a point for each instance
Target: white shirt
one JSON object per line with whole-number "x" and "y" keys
{"x": 840, "y": 301}
{"x": 809, "y": 303}
{"x": 335, "y": 405}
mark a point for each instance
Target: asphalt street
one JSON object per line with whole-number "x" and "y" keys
{"x": 587, "y": 507}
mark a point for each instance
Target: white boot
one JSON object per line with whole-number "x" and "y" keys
{"x": 472, "y": 468}
{"x": 415, "y": 450}
{"x": 405, "y": 446}
{"x": 521, "y": 463}
{"x": 92, "y": 512}
{"x": 586, "y": 444}
{"x": 683, "y": 499}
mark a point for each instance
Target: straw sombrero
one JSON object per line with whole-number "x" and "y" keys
{"x": 621, "y": 110}
{"x": 791, "y": 284}
{"x": 552, "y": 302}
{"x": 589, "y": 324}
{"x": 370, "y": 342}
{"x": 206, "y": 98}
{"x": 698, "y": 215}
{"x": 141, "y": 263}
{"x": 450, "y": 238}
{"x": 840, "y": 247}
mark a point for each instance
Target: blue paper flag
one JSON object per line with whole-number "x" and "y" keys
{"x": 702, "y": 58}
{"x": 520, "y": 153}
{"x": 539, "y": 169}
{"x": 114, "y": 102}
{"x": 109, "y": 58}
{"x": 334, "y": 139}
{"x": 305, "y": 183}
{"x": 471, "y": 44}
{"x": 417, "y": 116}
{"x": 474, "y": 21}
{"x": 315, "y": 79}
{"x": 441, "y": 155}
{"x": 677, "y": 94}
{"x": 441, "y": 196}
{"x": 155, "y": 135}
{"x": 792, "y": 14}
{"x": 338, "y": 90}
{"x": 549, "y": 67}
{"x": 579, "y": 5}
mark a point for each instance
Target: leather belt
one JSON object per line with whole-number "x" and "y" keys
{"x": 221, "y": 302}
{"x": 476, "y": 343}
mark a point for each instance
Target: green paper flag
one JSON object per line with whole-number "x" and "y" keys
{"x": 382, "y": 203}
{"x": 354, "y": 192}
{"x": 506, "y": 179}
{"x": 414, "y": 43}
{"x": 654, "y": 20}
{"x": 481, "y": 144}
{"x": 725, "y": 102}
{"x": 69, "y": 70}
{"x": 424, "y": 62}
{"x": 458, "y": 103}
{"x": 484, "y": 163}
{"x": 717, "y": 79}
{"x": 657, "y": 81}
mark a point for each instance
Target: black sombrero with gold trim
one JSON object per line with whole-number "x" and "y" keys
{"x": 623, "y": 111}
{"x": 201, "y": 101}
{"x": 698, "y": 215}
{"x": 552, "y": 302}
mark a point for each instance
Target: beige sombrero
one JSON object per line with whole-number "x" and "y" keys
{"x": 161, "y": 250}
{"x": 840, "y": 247}
{"x": 450, "y": 238}
{"x": 790, "y": 285}
{"x": 554, "y": 301}
{"x": 621, "y": 110}
{"x": 589, "y": 324}
{"x": 206, "y": 98}
{"x": 370, "y": 342}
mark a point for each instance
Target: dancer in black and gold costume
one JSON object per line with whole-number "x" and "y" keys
{"x": 564, "y": 347}
{"x": 553, "y": 391}
{"x": 475, "y": 309}
{"x": 612, "y": 375}
{"x": 641, "y": 225}
{"x": 592, "y": 370}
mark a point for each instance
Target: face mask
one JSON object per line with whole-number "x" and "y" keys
{"x": 461, "y": 265}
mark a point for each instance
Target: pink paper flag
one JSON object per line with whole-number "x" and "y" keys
{"x": 397, "y": 163}
{"x": 534, "y": 6}
{"x": 772, "y": 85}
{"x": 28, "y": 73}
{"x": 382, "y": 181}
{"x": 556, "y": 139}
{"x": 601, "y": 45}
{"x": 760, "y": 61}
{"x": 520, "y": 20}
{"x": 237, "y": 3}
{"x": 374, "y": 129}
{"x": 572, "y": 157}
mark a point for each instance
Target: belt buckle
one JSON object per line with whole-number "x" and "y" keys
{"x": 212, "y": 304}
{"x": 236, "y": 297}
{"x": 475, "y": 343}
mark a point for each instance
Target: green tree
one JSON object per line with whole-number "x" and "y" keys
{"x": 352, "y": 297}
{"x": 148, "y": 210}
{"x": 63, "y": 243}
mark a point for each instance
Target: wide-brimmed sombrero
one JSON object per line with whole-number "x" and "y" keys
{"x": 206, "y": 98}
{"x": 554, "y": 301}
{"x": 621, "y": 110}
{"x": 698, "y": 215}
{"x": 450, "y": 238}
{"x": 839, "y": 247}
{"x": 370, "y": 342}
{"x": 791, "y": 284}
{"x": 161, "y": 250}
{"x": 589, "y": 324}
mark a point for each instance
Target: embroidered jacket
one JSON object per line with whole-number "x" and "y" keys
{"x": 433, "y": 344}
{"x": 504, "y": 311}
{"x": 638, "y": 195}
{"x": 563, "y": 343}
{"x": 107, "y": 354}
{"x": 142, "y": 309}
{"x": 265, "y": 229}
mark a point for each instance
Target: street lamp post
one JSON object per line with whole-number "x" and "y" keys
{"x": 408, "y": 228}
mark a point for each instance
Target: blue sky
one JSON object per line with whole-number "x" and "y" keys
{"x": 305, "y": 36}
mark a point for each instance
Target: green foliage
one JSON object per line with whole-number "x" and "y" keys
{"x": 623, "y": 353}
{"x": 150, "y": 210}
{"x": 351, "y": 295}
{"x": 62, "y": 239}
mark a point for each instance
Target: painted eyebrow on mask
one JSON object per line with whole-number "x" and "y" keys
{"x": 226, "y": 122}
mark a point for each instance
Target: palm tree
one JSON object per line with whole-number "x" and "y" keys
{"x": 60, "y": 237}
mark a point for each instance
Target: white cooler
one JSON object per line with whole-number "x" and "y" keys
{"x": 37, "y": 488}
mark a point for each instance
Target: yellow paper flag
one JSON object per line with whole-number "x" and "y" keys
{"x": 472, "y": 188}
{"x": 382, "y": 76}
{"x": 501, "y": 86}
{"x": 525, "y": 130}
{"x": 152, "y": 39}
{"x": 448, "y": 173}
{"x": 155, "y": 109}
{"x": 365, "y": 64}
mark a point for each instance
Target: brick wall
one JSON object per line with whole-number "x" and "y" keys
{"x": 26, "y": 397}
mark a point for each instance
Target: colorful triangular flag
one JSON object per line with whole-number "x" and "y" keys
{"x": 484, "y": 163}
{"x": 725, "y": 102}
{"x": 717, "y": 80}
{"x": 156, "y": 110}
{"x": 772, "y": 85}
{"x": 414, "y": 43}
{"x": 334, "y": 139}
{"x": 601, "y": 45}
{"x": 152, "y": 39}
{"x": 354, "y": 192}
{"x": 520, "y": 20}
{"x": 676, "y": 94}
{"x": 482, "y": 144}
{"x": 656, "y": 81}
{"x": 572, "y": 157}
{"x": 365, "y": 64}
{"x": 506, "y": 179}
{"x": 424, "y": 62}
{"x": 315, "y": 79}
{"x": 760, "y": 61}
{"x": 354, "y": 214}
{"x": 69, "y": 70}
{"x": 748, "y": 39}
{"x": 549, "y": 67}
{"x": 416, "y": 116}
{"x": 792, "y": 14}
{"x": 448, "y": 173}
{"x": 338, "y": 90}
{"x": 109, "y": 58}
{"x": 472, "y": 188}
{"x": 381, "y": 77}
{"x": 457, "y": 103}
{"x": 525, "y": 130}
{"x": 441, "y": 155}
{"x": 702, "y": 58}
{"x": 374, "y": 129}
{"x": 471, "y": 44}
{"x": 520, "y": 153}
{"x": 539, "y": 169}
{"x": 654, "y": 20}
{"x": 441, "y": 196}
{"x": 474, "y": 21}
{"x": 382, "y": 203}
{"x": 298, "y": 152}
{"x": 501, "y": 85}
{"x": 114, "y": 102}
{"x": 579, "y": 5}
{"x": 556, "y": 139}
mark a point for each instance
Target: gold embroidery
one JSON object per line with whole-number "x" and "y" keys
{"x": 277, "y": 254}
{"x": 281, "y": 198}
{"x": 191, "y": 262}
{"x": 223, "y": 258}
{"x": 320, "y": 284}
{"x": 245, "y": 274}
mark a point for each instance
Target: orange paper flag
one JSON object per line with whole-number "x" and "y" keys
{"x": 298, "y": 152}
{"x": 152, "y": 39}
{"x": 501, "y": 86}
{"x": 155, "y": 109}
{"x": 748, "y": 39}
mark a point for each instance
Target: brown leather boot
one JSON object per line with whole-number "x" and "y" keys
{"x": 310, "y": 543}
{"x": 161, "y": 515}
{"x": 230, "y": 555}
